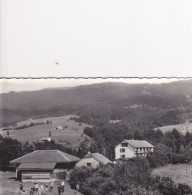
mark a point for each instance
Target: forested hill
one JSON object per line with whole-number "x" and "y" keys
{"x": 74, "y": 99}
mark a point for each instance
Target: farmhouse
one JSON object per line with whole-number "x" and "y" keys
{"x": 93, "y": 160}
{"x": 133, "y": 148}
{"x": 43, "y": 164}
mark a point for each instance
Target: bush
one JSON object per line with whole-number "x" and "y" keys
{"x": 166, "y": 186}
{"x": 158, "y": 159}
{"x": 79, "y": 175}
{"x": 178, "y": 158}
{"x": 89, "y": 131}
{"x": 183, "y": 189}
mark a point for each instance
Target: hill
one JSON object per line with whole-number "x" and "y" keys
{"x": 64, "y": 130}
{"x": 16, "y": 106}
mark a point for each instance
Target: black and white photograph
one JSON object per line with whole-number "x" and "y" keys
{"x": 96, "y": 136}
{"x": 96, "y": 97}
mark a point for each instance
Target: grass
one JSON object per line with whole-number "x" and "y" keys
{"x": 9, "y": 186}
{"x": 70, "y": 136}
{"x": 176, "y": 172}
{"x": 182, "y": 128}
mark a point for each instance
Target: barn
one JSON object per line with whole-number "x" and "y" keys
{"x": 42, "y": 165}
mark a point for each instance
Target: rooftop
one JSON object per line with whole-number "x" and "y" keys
{"x": 139, "y": 143}
{"x": 98, "y": 157}
{"x": 45, "y": 156}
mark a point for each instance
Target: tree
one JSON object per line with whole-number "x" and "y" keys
{"x": 9, "y": 150}
{"x": 8, "y": 134}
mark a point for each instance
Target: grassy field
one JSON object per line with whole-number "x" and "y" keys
{"x": 176, "y": 172}
{"x": 182, "y": 128}
{"x": 71, "y": 135}
{"x": 9, "y": 186}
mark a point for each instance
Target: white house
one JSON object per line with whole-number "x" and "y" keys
{"x": 133, "y": 148}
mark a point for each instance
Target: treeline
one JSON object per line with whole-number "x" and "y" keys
{"x": 131, "y": 177}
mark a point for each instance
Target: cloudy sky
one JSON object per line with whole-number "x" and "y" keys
{"x": 96, "y": 38}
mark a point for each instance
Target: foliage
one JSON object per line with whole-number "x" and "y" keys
{"x": 159, "y": 157}
{"x": 79, "y": 175}
{"x": 128, "y": 178}
{"x": 166, "y": 186}
{"x": 184, "y": 189}
{"x": 9, "y": 150}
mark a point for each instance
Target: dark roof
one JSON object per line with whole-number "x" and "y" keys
{"x": 43, "y": 156}
{"x": 98, "y": 157}
{"x": 37, "y": 166}
{"x": 139, "y": 143}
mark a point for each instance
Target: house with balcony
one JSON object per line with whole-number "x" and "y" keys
{"x": 133, "y": 148}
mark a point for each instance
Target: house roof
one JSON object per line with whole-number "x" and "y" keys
{"x": 45, "y": 156}
{"x": 139, "y": 143}
{"x": 98, "y": 157}
{"x": 37, "y": 166}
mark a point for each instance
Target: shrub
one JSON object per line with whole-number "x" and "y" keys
{"x": 178, "y": 158}
{"x": 183, "y": 189}
{"x": 166, "y": 186}
{"x": 157, "y": 159}
{"x": 79, "y": 175}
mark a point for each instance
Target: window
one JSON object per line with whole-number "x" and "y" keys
{"x": 124, "y": 144}
{"x": 89, "y": 164}
{"x": 122, "y": 156}
{"x": 122, "y": 149}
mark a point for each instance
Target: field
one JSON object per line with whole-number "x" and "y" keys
{"x": 176, "y": 172}
{"x": 70, "y": 135}
{"x": 182, "y": 128}
{"x": 9, "y": 186}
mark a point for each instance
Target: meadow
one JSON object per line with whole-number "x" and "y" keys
{"x": 180, "y": 173}
{"x": 182, "y": 128}
{"x": 71, "y": 135}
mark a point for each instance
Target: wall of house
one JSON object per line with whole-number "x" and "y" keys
{"x": 86, "y": 162}
{"x": 32, "y": 175}
{"x": 129, "y": 152}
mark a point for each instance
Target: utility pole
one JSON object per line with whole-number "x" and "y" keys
{"x": 171, "y": 156}
{"x": 186, "y": 167}
{"x": 186, "y": 161}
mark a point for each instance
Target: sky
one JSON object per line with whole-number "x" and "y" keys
{"x": 95, "y": 38}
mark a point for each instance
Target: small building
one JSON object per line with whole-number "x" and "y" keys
{"x": 46, "y": 139}
{"x": 93, "y": 160}
{"x": 59, "y": 127}
{"x": 133, "y": 148}
{"x": 42, "y": 164}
